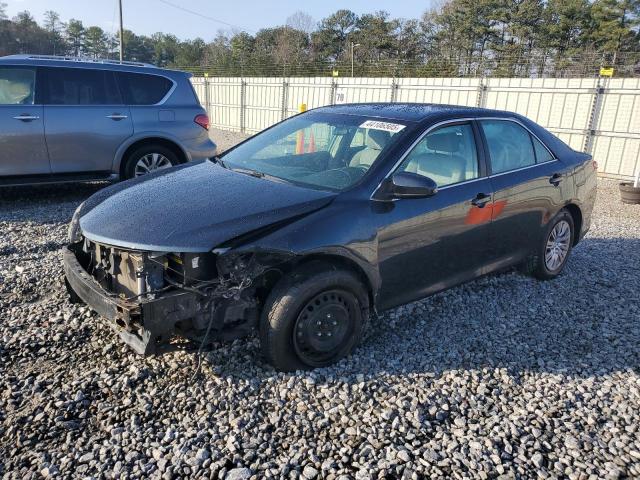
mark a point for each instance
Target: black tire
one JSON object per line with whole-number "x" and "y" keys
{"x": 140, "y": 152}
{"x": 286, "y": 311}
{"x": 537, "y": 264}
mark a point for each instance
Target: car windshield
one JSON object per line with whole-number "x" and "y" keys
{"x": 317, "y": 150}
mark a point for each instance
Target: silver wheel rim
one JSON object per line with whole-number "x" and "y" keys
{"x": 557, "y": 245}
{"x": 150, "y": 163}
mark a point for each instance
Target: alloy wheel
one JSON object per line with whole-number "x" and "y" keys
{"x": 558, "y": 245}
{"x": 150, "y": 163}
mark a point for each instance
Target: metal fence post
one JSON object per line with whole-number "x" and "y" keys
{"x": 334, "y": 90}
{"x": 481, "y": 100}
{"x": 285, "y": 98}
{"x": 243, "y": 105}
{"x": 207, "y": 101}
{"x": 394, "y": 90}
{"x": 594, "y": 116}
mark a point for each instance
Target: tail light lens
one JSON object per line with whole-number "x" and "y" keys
{"x": 202, "y": 120}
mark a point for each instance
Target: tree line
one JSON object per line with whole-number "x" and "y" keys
{"x": 458, "y": 38}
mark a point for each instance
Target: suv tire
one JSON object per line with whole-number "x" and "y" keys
{"x": 152, "y": 157}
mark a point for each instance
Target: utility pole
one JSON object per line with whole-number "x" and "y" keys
{"x": 353, "y": 46}
{"x": 121, "y": 34}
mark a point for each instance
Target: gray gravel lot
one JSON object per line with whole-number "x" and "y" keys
{"x": 504, "y": 377}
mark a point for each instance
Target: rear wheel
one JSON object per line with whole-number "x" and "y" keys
{"x": 149, "y": 158}
{"x": 555, "y": 249}
{"x": 312, "y": 318}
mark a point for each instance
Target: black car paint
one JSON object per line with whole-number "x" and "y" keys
{"x": 194, "y": 209}
{"x": 403, "y": 249}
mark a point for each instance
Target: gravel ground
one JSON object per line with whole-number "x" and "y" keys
{"x": 504, "y": 377}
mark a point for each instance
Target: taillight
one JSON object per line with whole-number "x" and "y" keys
{"x": 202, "y": 120}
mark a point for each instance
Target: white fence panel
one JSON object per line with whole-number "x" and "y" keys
{"x": 263, "y": 105}
{"x": 313, "y": 92}
{"x": 561, "y": 105}
{"x": 617, "y": 142}
{"x": 601, "y": 116}
{"x": 453, "y": 91}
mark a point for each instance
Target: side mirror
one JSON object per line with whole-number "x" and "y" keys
{"x": 407, "y": 185}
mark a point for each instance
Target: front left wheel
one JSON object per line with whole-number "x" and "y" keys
{"x": 312, "y": 318}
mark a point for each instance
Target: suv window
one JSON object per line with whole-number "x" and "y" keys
{"x": 447, "y": 156}
{"x": 80, "y": 86}
{"x": 510, "y": 145}
{"x": 141, "y": 89}
{"x": 17, "y": 85}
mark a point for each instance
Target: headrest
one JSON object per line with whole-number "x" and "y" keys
{"x": 377, "y": 139}
{"x": 444, "y": 142}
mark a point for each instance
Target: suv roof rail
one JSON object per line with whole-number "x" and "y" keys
{"x": 66, "y": 58}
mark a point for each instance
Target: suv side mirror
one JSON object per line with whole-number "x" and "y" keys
{"x": 406, "y": 185}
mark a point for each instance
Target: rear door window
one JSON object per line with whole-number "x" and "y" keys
{"x": 510, "y": 145}
{"x": 17, "y": 85}
{"x": 80, "y": 86}
{"x": 142, "y": 89}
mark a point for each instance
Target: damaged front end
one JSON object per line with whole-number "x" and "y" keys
{"x": 155, "y": 298}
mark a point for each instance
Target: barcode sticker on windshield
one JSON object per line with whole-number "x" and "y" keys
{"x": 385, "y": 126}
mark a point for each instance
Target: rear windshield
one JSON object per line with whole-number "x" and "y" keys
{"x": 321, "y": 151}
{"x": 142, "y": 89}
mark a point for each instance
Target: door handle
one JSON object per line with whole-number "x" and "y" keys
{"x": 26, "y": 117}
{"x": 116, "y": 116}
{"x": 555, "y": 179}
{"x": 481, "y": 200}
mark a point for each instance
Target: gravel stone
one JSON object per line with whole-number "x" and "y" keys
{"x": 238, "y": 474}
{"x": 505, "y": 377}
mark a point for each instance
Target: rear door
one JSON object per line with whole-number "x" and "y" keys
{"x": 85, "y": 119}
{"x": 529, "y": 184}
{"x": 22, "y": 147}
{"x": 428, "y": 244}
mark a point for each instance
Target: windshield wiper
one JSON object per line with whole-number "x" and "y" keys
{"x": 248, "y": 171}
{"x": 258, "y": 174}
{"x": 220, "y": 162}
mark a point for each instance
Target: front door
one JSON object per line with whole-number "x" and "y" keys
{"x": 430, "y": 244}
{"x": 528, "y": 183}
{"x": 85, "y": 119}
{"x": 22, "y": 147}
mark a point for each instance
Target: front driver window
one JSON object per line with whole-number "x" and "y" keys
{"x": 447, "y": 156}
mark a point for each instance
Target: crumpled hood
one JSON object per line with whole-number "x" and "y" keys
{"x": 192, "y": 208}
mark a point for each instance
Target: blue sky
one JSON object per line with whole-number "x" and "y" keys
{"x": 149, "y": 16}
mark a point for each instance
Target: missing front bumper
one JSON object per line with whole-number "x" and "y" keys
{"x": 146, "y": 325}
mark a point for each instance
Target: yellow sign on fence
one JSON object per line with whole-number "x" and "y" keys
{"x": 606, "y": 72}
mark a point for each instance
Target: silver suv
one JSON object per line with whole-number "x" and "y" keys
{"x": 69, "y": 119}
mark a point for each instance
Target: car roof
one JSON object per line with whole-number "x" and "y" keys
{"x": 82, "y": 62}
{"x": 411, "y": 112}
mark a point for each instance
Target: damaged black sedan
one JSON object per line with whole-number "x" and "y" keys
{"x": 306, "y": 229}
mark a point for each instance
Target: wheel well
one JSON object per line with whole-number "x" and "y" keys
{"x": 576, "y": 214}
{"x": 346, "y": 264}
{"x": 151, "y": 141}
